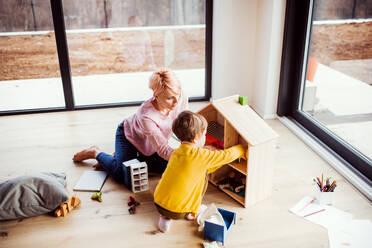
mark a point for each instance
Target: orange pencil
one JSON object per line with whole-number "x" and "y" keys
{"x": 330, "y": 187}
{"x": 333, "y": 186}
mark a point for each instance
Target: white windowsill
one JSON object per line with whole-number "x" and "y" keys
{"x": 328, "y": 156}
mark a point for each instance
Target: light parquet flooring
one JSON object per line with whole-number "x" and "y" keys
{"x": 47, "y": 142}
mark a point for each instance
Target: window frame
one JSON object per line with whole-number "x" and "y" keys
{"x": 296, "y": 46}
{"x": 65, "y": 69}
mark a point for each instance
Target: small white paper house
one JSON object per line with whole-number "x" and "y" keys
{"x": 137, "y": 175}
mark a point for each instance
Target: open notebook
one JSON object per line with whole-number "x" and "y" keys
{"x": 91, "y": 181}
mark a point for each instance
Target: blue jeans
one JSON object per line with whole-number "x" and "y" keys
{"x": 124, "y": 151}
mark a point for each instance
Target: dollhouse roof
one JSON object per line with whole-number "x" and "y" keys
{"x": 245, "y": 121}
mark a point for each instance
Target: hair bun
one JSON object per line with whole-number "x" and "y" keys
{"x": 162, "y": 79}
{"x": 162, "y": 72}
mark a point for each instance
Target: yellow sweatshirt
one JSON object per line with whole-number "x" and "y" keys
{"x": 180, "y": 187}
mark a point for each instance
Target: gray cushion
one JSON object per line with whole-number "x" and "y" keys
{"x": 32, "y": 195}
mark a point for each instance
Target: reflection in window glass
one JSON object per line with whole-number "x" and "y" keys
{"x": 115, "y": 45}
{"x": 29, "y": 68}
{"x": 338, "y": 87}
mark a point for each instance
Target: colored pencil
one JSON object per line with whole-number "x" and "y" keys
{"x": 314, "y": 212}
{"x": 307, "y": 204}
{"x": 320, "y": 184}
{"x": 332, "y": 188}
{"x": 316, "y": 182}
{"x": 325, "y": 184}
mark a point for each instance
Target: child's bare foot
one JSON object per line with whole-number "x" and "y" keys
{"x": 164, "y": 224}
{"x": 189, "y": 216}
{"x": 88, "y": 153}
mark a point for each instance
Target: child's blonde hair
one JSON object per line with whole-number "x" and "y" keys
{"x": 164, "y": 79}
{"x": 188, "y": 125}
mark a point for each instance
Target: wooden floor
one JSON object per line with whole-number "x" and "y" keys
{"x": 46, "y": 142}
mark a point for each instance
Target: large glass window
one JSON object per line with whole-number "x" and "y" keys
{"x": 326, "y": 76}
{"x": 29, "y": 68}
{"x": 107, "y": 50}
{"x": 337, "y": 91}
{"x": 114, "y": 45}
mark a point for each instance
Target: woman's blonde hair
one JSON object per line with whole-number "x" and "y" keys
{"x": 163, "y": 79}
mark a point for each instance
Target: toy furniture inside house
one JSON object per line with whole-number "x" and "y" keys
{"x": 230, "y": 123}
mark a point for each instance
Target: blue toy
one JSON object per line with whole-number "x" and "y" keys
{"x": 217, "y": 232}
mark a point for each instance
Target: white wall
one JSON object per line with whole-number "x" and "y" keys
{"x": 269, "y": 39}
{"x": 234, "y": 28}
{"x": 247, "y": 47}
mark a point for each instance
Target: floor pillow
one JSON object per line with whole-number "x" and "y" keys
{"x": 32, "y": 195}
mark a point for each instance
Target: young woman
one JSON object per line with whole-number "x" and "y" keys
{"x": 145, "y": 134}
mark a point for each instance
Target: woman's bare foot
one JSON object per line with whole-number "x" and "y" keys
{"x": 88, "y": 153}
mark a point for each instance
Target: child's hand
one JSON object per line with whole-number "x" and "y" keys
{"x": 245, "y": 155}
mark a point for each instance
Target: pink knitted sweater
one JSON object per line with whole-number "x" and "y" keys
{"x": 149, "y": 130}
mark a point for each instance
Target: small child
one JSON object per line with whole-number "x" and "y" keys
{"x": 184, "y": 182}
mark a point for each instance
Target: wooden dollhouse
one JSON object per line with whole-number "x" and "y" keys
{"x": 230, "y": 123}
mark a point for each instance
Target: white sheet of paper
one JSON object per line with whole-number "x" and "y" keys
{"x": 356, "y": 234}
{"x": 91, "y": 181}
{"x": 304, "y": 207}
{"x": 363, "y": 231}
{"x": 300, "y": 205}
{"x": 338, "y": 239}
{"x": 331, "y": 218}
{"x": 343, "y": 231}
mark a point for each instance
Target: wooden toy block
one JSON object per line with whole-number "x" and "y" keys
{"x": 97, "y": 196}
{"x": 243, "y": 100}
{"x": 58, "y": 213}
{"x": 253, "y": 175}
{"x": 63, "y": 208}
{"x": 67, "y": 206}
{"x": 75, "y": 201}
